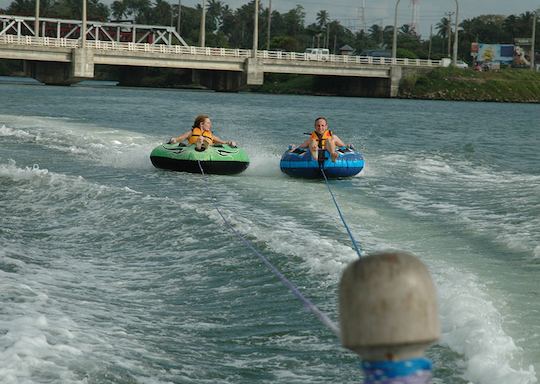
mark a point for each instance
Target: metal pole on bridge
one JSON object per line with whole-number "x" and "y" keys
{"x": 533, "y": 38}
{"x": 394, "y": 39}
{"x": 203, "y": 25}
{"x": 83, "y": 27}
{"x": 255, "y": 30}
{"x": 268, "y": 25}
{"x": 179, "y": 16}
{"x": 454, "y": 56}
{"x": 36, "y": 22}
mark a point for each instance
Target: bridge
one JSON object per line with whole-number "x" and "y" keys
{"x": 58, "y": 55}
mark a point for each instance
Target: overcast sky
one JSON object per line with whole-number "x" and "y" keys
{"x": 349, "y": 12}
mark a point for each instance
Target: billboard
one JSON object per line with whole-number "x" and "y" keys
{"x": 495, "y": 53}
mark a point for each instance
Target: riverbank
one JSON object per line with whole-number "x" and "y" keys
{"x": 507, "y": 85}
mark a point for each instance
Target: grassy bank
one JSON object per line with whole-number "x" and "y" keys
{"x": 507, "y": 85}
{"x": 286, "y": 84}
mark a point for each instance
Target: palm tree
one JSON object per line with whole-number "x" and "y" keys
{"x": 214, "y": 14}
{"x": 322, "y": 18}
{"x": 442, "y": 27}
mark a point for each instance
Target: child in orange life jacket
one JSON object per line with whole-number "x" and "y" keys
{"x": 201, "y": 134}
{"x": 322, "y": 138}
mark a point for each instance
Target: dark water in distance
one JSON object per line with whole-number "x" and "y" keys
{"x": 112, "y": 271}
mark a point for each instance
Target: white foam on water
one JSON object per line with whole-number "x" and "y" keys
{"x": 496, "y": 206}
{"x": 471, "y": 324}
{"x": 36, "y": 341}
{"x": 473, "y": 327}
{"x": 47, "y": 327}
{"x": 432, "y": 168}
{"x": 537, "y": 252}
{"x": 320, "y": 254}
{"x": 10, "y": 132}
{"x": 114, "y": 147}
{"x": 263, "y": 164}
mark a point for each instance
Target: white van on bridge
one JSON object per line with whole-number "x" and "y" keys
{"x": 317, "y": 54}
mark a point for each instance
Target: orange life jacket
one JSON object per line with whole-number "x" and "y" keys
{"x": 196, "y": 132}
{"x": 321, "y": 139}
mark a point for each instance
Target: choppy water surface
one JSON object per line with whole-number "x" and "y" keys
{"x": 112, "y": 271}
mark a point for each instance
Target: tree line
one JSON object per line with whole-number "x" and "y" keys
{"x": 233, "y": 28}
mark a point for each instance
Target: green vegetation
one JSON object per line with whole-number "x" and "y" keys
{"x": 507, "y": 85}
{"x": 286, "y": 84}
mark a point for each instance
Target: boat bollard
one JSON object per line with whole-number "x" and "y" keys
{"x": 389, "y": 316}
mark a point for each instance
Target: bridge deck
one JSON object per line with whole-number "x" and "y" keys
{"x": 112, "y": 52}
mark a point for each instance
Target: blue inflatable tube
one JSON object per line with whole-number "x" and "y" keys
{"x": 299, "y": 163}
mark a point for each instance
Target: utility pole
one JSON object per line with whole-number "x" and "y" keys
{"x": 83, "y": 27}
{"x": 268, "y": 25}
{"x": 394, "y": 39}
{"x": 449, "y": 31}
{"x": 364, "y": 24}
{"x": 327, "y": 35}
{"x": 255, "y": 30}
{"x": 454, "y": 56}
{"x": 381, "y": 37}
{"x": 430, "y": 37}
{"x": 203, "y": 25}
{"x": 179, "y": 16}
{"x": 36, "y": 22}
{"x": 363, "y": 16}
{"x": 533, "y": 38}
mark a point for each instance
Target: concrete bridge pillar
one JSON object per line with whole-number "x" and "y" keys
{"x": 395, "y": 78}
{"x": 82, "y": 63}
{"x": 58, "y": 73}
{"x": 253, "y": 71}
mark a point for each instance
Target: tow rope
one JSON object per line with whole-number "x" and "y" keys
{"x": 323, "y": 318}
{"x": 354, "y": 242}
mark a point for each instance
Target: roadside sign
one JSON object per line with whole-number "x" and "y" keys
{"x": 523, "y": 41}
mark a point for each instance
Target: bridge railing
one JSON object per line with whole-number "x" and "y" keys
{"x": 348, "y": 59}
{"x": 39, "y": 41}
{"x": 212, "y": 51}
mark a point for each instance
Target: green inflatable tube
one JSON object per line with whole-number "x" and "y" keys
{"x": 219, "y": 159}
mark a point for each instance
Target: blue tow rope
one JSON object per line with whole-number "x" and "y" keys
{"x": 296, "y": 292}
{"x": 355, "y": 244}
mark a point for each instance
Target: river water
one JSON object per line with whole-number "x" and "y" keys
{"x": 112, "y": 271}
